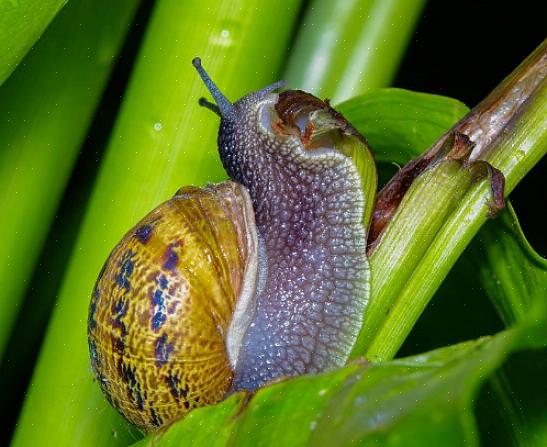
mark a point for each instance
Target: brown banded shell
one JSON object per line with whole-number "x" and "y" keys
{"x": 163, "y": 303}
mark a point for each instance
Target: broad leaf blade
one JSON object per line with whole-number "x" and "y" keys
{"x": 400, "y": 124}
{"x": 514, "y": 277}
{"x": 421, "y": 400}
{"x": 21, "y": 24}
{"x": 512, "y": 273}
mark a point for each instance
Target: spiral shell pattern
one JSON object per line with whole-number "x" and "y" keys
{"x": 163, "y": 303}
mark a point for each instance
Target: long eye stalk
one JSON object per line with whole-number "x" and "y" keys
{"x": 225, "y": 107}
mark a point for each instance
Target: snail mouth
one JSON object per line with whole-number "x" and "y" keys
{"x": 312, "y": 120}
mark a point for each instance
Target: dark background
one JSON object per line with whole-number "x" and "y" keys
{"x": 461, "y": 48}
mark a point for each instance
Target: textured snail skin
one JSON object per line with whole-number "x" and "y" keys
{"x": 164, "y": 301}
{"x": 309, "y": 207}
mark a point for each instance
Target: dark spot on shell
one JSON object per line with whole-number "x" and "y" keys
{"x": 157, "y": 310}
{"x": 163, "y": 282}
{"x": 119, "y": 310}
{"x": 140, "y": 401}
{"x": 155, "y": 419}
{"x": 158, "y": 298}
{"x": 134, "y": 391}
{"x": 185, "y": 390}
{"x": 128, "y": 375}
{"x": 163, "y": 350}
{"x": 126, "y": 270}
{"x": 173, "y": 381}
{"x": 118, "y": 344}
{"x": 91, "y": 321}
{"x": 120, "y": 307}
{"x": 173, "y": 307}
{"x": 158, "y": 320}
{"x": 170, "y": 257}
{"x": 144, "y": 233}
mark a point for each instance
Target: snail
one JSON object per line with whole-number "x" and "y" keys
{"x": 231, "y": 286}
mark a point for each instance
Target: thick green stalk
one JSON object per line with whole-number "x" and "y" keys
{"x": 21, "y": 24}
{"x": 45, "y": 110}
{"x": 511, "y": 133}
{"x": 395, "y": 257}
{"x": 347, "y": 47}
{"x": 162, "y": 140}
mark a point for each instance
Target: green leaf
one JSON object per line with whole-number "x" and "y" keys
{"x": 21, "y": 24}
{"x": 162, "y": 140}
{"x": 45, "y": 110}
{"x": 512, "y": 273}
{"x": 421, "y": 400}
{"x": 401, "y": 124}
{"x": 514, "y": 277}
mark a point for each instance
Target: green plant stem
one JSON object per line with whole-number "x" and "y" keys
{"x": 21, "y": 24}
{"x": 347, "y": 47}
{"x": 162, "y": 140}
{"x": 395, "y": 257}
{"x": 45, "y": 110}
{"x": 518, "y": 144}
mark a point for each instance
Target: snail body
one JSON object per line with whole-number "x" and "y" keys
{"x": 228, "y": 287}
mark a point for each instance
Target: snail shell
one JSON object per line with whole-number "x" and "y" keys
{"x": 164, "y": 301}
{"x": 231, "y": 286}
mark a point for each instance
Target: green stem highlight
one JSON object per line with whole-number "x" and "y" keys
{"x": 347, "y": 47}
{"x": 21, "y": 24}
{"x": 46, "y": 108}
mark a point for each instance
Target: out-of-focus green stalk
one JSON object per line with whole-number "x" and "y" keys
{"x": 21, "y": 24}
{"x": 162, "y": 140}
{"x": 45, "y": 109}
{"x": 346, "y": 47}
{"x": 516, "y": 139}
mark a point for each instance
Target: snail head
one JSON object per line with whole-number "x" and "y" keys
{"x": 264, "y": 130}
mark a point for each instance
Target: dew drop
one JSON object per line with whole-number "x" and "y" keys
{"x": 224, "y": 38}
